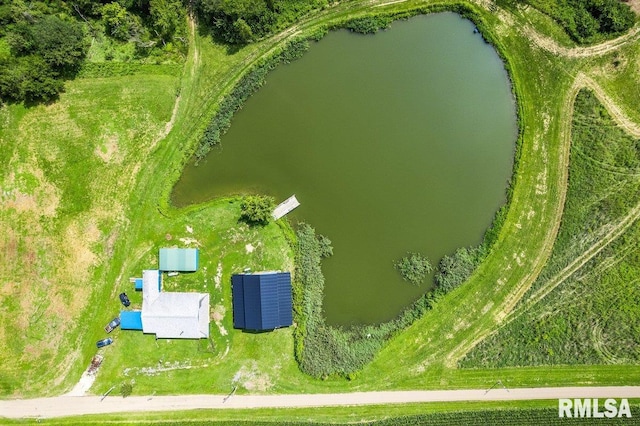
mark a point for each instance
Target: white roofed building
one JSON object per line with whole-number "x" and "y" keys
{"x": 172, "y": 315}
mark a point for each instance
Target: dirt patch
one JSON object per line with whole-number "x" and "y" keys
{"x": 108, "y": 151}
{"x": 217, "y": 315}
{"x": 190, "y": 241}
{"x": 79, "y": 257}
{"x": 635, "y": 5}
{"x": 27, "y": 190}
{"x": 87, "y": 378}
{"x": 218, "y": 278}
{"x": 110, "y": 243}
{"x": 251, "y": 378}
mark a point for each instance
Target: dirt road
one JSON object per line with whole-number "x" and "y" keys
{"x": 73, "y": 406}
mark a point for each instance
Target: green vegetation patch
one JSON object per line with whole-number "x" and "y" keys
{"x": 241, "y": 22}
{"x": 44, "y": 43}
{"x": 592, "y": 315}
{"x": 62, "y": 211}
{"x": 586, "y": 21}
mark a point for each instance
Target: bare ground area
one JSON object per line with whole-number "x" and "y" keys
{"x": 635, "y": 5}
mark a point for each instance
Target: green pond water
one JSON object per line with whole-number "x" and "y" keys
{"x": 395, "y": 142}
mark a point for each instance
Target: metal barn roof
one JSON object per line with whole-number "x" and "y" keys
{"x": 179, "y": 259}
{"x": 262, "y": 301}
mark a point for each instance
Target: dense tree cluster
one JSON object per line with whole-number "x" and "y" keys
{"x": 242, "y": 21}
{"x": 44, "y": 42}
{"x": 586, "y": 21}
{"x": 40, "y": 49}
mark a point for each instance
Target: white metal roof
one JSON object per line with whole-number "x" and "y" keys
{"x": 171, "y": 314}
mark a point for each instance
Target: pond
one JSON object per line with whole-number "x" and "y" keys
{"x": 395, "y": 142}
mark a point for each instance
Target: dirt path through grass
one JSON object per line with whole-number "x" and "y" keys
{"x": 580, "y": 52}
{"x": 75, "y": 406}
{"x": 612, "y": 107}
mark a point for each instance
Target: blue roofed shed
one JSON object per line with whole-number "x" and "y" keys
{"x": 262, "y": 301}
{"x": 131, "y": 320}
{"x": 179, "y": 259}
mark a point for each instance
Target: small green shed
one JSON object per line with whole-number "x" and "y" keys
{"x": 179, "y": 259}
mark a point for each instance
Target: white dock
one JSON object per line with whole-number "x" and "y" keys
{"x": 285, "y": 207}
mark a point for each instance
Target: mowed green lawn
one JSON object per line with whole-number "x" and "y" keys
{"x": 88, "y": 182}
{"x": 67, "y": 170}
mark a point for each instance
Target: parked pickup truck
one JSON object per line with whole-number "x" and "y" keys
{"x": 113, "y": 324}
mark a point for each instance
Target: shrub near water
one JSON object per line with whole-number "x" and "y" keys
{"x": 455, "y": 269}
{"x": 414, "y": 268}
{"x": 256, "y": 209}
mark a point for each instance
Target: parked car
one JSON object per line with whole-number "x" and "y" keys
{"x": 124, "y": 299}
{"x": 113, "y": 324}
{"x": 104, "y": 342}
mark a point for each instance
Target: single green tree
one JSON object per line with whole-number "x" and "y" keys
{"x": 60, "y": 43}
{"x": 245, "y": 34}
{"x": 168, "y": 17}
{"x": 256, "y": 209}
{"x": 414, "y": 268}
{"x": 117, "y": 20}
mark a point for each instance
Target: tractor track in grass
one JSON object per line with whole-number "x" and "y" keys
{"x": 509, "y": 310}
{"x": 583, "y": 81}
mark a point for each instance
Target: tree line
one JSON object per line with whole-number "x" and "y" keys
{"x": 585, "y": 21}
{"x": 244, "y": 21}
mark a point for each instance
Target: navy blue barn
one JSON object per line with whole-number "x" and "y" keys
{"x": 262, "y": 301}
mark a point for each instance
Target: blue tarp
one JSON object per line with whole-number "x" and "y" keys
{"x": 138, "y": 283}
{"x": 131, "y": 320}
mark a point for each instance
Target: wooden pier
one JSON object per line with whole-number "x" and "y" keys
{"x": 285, "y": 207}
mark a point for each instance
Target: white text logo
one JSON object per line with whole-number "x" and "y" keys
{"x": 587, "y": 407}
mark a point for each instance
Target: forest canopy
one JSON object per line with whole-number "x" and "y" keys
{"x": 243, "y": 21}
